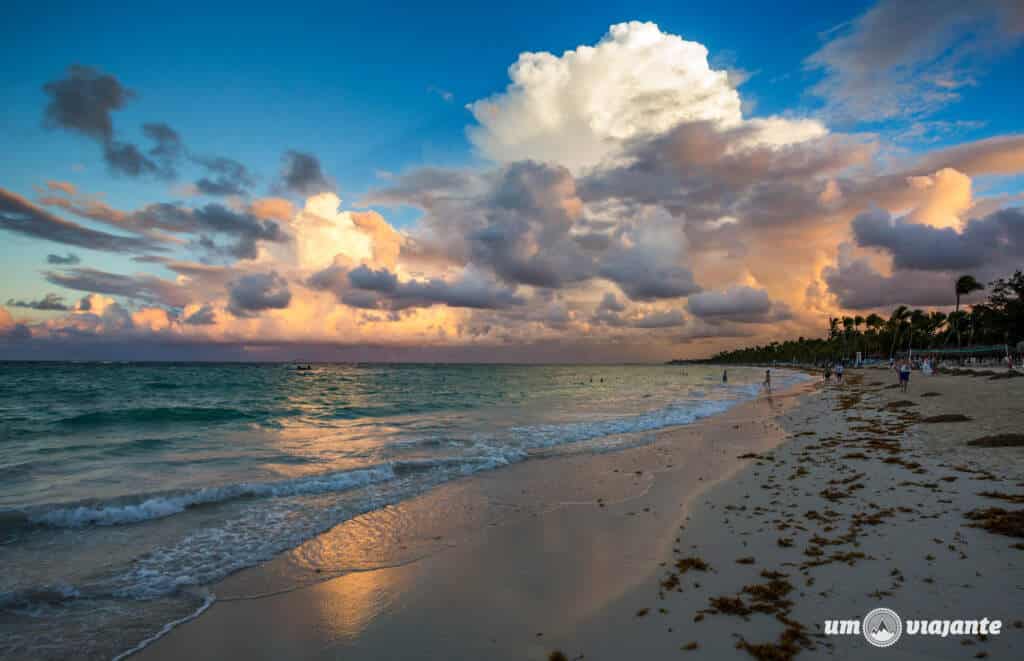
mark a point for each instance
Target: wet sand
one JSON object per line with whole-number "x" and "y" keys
{"x": 850, "y": 503}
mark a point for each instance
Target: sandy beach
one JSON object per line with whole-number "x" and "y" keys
{"x": 734, "y": 537}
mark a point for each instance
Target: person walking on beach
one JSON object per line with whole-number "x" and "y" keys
{"x": 768, "y": 380}
{"x": 725, "y": 376}
{"x": 839, "y": 374}
{"x": 904, "y": 376}
{"x": 828, "y": 372}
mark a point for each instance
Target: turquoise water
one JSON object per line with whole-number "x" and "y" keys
{"x": 126, "y": 489}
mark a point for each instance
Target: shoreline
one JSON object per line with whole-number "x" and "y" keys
{"x": 581, "y": 491}
{"x": 593, "y": 574}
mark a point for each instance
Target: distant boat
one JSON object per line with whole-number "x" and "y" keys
{"x": 303, "y": 368}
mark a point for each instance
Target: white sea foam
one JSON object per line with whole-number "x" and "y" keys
{"x": 158, "y": 507}
{"x": 167, "y": 628}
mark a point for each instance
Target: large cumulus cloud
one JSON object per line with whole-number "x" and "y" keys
{"x": 579, "y": 109}
{"x": 628, "y": 203}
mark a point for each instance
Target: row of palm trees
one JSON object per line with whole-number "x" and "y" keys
{"x": 998, "y": 320}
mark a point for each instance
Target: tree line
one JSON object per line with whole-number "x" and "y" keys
{"x": 999, "y": 320}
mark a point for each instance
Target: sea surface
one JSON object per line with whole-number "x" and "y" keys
{"x": 126, "y": 490}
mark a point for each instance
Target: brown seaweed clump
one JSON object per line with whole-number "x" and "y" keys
{"x": 947, "y": 417}
{"x": 999, "y": 441}
{"x": 730, "y": 606}
{"x": 791, "y": 641}
{"x": 998, "y": 520}
{"x": 695, "y": 563}
{"x": 1016, "y": 498}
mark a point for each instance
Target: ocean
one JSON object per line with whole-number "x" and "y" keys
{"x": 127, "y": 490}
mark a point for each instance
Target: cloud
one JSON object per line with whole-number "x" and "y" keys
{"x": 443, "y": 93}
{"x": 84, "y": 100}
{"x": 622, "y": 212}
{"x": 50, "y": 302}
{"x": 246, "y": 228}
{"x": 203, "y": 315}
{"x": 21, "y": 216}
{"x": 226, "y": 176}
{"x": 68, "y": 260}
{"x": 578, "y": 108}
{"x": 905, "y": 59}
{"x": 1003, "y": 154}
{"x": 141, "y": 287}
{"x": 126, "y": 158}
{"x": 582, "y": 109}
{"x": 663, "y": 319}
{"x": 65, "y": 187}
{"x": 739, "y": 304}
{"x": 857, "y": 285}
{"x": 166, "y": 150}
{"x": 642, "y": 282}
{"x": 302, "y": 174}
{"x": 364, "y": 287}
{"x": 709, "y": 173}
{"x": 997, "y": 239}
{"x": 258, "y": 292}
{"x": 273, "y": 208}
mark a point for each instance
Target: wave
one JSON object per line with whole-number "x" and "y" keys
{"x": 159, "y": 415}
{"x": 482, "y": 452}
{"x": 53, "y": 594}
{"x": 158, "y": 506}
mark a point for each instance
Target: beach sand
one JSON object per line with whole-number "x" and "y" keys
{"x": 851, "y": 503}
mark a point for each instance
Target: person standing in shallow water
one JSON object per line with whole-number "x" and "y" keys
{"x": 768, "y": 380}
{"x": 725, "y": 376}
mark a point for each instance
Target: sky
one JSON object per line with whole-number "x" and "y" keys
{"x": 524, "y": 183}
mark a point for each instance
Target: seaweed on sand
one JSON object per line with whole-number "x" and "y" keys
{"x": 791, "y": 641}
{"x": 998, "y": 520}
{"x": 947, "y": 417}
{"x": 686, "y": 564}
{"x": 1014, "y": 498}
{"x": 998, "y": 441}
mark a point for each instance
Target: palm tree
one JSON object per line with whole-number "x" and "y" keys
{"x": 965, "y": 284}
{"x": 918, "y": 320}
{"x": 847, "y": 330}
{"x": 899, "y": 317}
{"x": 874, "y": 324}
{"x": 858, "y": 321}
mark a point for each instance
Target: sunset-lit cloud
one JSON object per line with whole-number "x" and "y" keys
{"x": 623, "y": 203}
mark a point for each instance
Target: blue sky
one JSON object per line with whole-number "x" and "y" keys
{"x": 375, "y": 90}
{"x": 351, "y": 82}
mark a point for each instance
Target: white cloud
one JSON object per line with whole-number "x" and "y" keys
{"x": 579, "y": 110}
{"x": 322, "y": 231}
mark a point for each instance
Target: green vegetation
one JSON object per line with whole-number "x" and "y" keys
{"x": 997, "y": 322}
